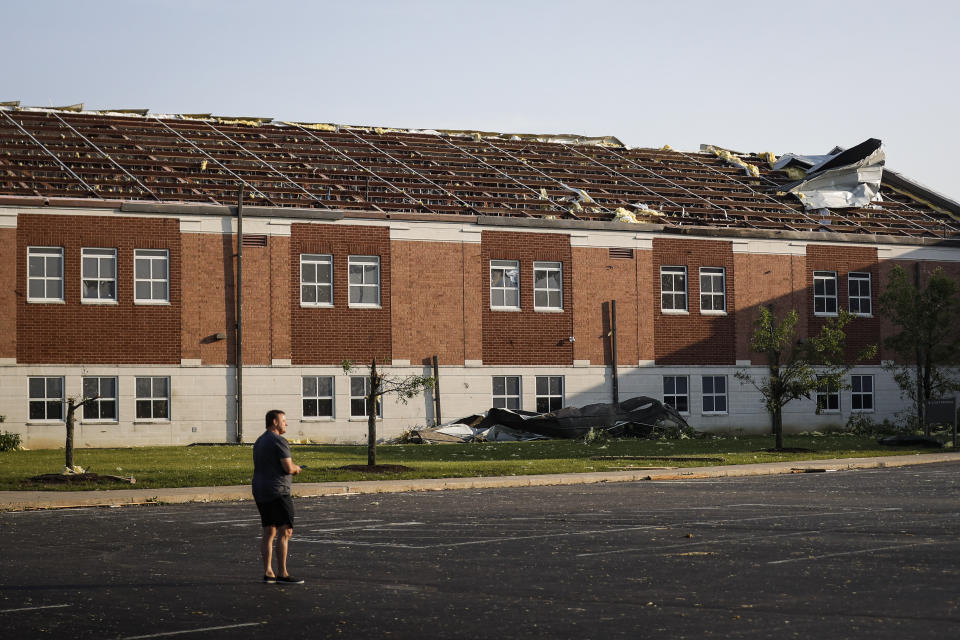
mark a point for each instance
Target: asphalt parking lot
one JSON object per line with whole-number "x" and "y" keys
{"x": 871, "y": 553}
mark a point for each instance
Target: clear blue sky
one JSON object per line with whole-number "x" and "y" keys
{"x": 747, "y": 75}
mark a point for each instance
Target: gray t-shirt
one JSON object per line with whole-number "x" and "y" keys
{"x": 270, "y": 481}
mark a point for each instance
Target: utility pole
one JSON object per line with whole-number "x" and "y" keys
{"x": 239, "y": 315}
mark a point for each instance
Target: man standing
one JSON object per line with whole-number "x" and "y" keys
{"x": 273, "y": 469}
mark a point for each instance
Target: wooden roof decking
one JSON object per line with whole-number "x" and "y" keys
{"x": 114, "y": 157}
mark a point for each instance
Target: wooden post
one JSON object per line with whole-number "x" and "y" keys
{"x": 436, "y": 393}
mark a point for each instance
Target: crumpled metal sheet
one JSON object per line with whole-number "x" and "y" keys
{"x": 847, "y": 179}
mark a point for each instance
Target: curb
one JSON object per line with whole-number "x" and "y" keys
{"x": 24, "y": 500}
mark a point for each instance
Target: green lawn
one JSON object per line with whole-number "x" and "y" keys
{"x": 157, "y": 467}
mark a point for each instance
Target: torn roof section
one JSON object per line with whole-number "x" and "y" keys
{"x": 839, "y": 180}
{"x": 86, "y": 158}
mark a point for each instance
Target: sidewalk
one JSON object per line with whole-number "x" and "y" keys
{"x": 20, "y": 500}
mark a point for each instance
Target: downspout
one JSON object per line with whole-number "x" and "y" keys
{"x": 239, "y": 314}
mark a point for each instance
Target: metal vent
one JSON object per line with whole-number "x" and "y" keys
{"x": 618, "y": 252}
{"x": 254, "y": 240}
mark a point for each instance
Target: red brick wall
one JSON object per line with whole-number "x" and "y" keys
{"x": 330, "y": 335}
{"x": 473, "y": 270}
{"x": 8, "y": 293}
{"x": 863, "y": 331}
{"x": 74, "y": 333}
{"x": 693, "y": 338}
{"x": 764, "y": 279}
{"x": 527, "y": 337}
{"x": 598, "y": 279}
{"x": 648, "y": 305}
{"x": 428, "y": 301}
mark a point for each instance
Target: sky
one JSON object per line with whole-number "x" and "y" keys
{"x": 798, "y": 77}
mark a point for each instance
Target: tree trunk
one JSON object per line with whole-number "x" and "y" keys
{"x": 778, "y": 427}
{"x": 372, "y": 415}
{"x": 71, "y": 410}
{"x": 921, "y": 399}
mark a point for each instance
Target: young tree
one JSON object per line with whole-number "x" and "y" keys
{"x": 797, "y": 368}
{"x": 73, "y": 403}
{"x": 928, "y": 341}
{"x": 379, "y": 385}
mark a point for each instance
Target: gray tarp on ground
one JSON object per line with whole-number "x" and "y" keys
{"x": 638, "y": 417}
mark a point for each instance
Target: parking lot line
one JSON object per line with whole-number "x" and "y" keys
{"x": 184, "y": 631}
{"x": 859, "y": 551}
{"x": 47, "y": 606}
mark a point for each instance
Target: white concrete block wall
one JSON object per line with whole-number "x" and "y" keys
{"x": 203, "y": 406}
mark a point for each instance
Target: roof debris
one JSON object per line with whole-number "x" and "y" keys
{"x": 114, "y": 156}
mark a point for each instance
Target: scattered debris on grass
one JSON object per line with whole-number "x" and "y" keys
{"x": 80, "y": 478}
{"x": 377, "y": 468}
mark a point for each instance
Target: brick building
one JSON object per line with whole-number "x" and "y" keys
{"x": 498, "y": 254}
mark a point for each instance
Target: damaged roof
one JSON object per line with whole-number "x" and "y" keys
{"x": 60, "y": 155}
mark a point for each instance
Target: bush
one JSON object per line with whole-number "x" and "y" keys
{"x": 9, "y": 441}
{"x": 860, "y": 424}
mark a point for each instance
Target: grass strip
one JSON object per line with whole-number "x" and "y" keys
{"x": 224, "y": 465}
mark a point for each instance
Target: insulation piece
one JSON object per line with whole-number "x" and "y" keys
{"x": 732, "y": 158}
{"x": 315, "y": 126}
{"x": 769, "y": 157}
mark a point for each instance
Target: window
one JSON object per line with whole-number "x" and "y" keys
{"x": 714, "y": 394}
{"x": 153, "y": 398}
{"x": 364, "y": 281}
{"x": 359, "y": 388}
{"x": 825, "y": 292}
{"x": 861, "y": 393}
{"x": 151, "y": 276}
{"x": 713, "y": 292}
{"x": 506, "y": 392}
{"x": 673, "y": 288}
{"x": 549, "y": 393}
{"x": 316, "y": 280}
{"x": 547, "y": 285}
{"x": 675, "y": 393}
{"x": 859, "y": 290}
{"x": 44, "y": 274}
{"x": 504, "y": 284}
{"x": 318, "y": 397}
{"x": 99, "y": 279}
{"x": 46, "y": 399}
{"x": 828, "y": 396}
{"x": 103, "y": 408}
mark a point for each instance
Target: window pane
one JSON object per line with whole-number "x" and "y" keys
{"x": 142, "y": 290}
{"x": 308, "y": 293}
{"x": 36, "y": 289}
{"x": 160, "y": 409}
{"x": 511, "y": 298}
{"x": 708, "y": 404}
{"x": 38, "y": 387}
{"x": 499, "y": 386}
{"x": 356, "y": 274}
{"x": 720, "y": 384}
{"x": 35, "y": 266}
{"x": 720, "y": 404}
{"x": 682, "y": 404}
{"x": 309, "y": 408}
{"x": 308, "y": 272}
{"x": 358, "y": 407}
{"x": 159, "y": 290}
{"x": 54, "y": 289}
{"x": 89, "y": 267}
{"x": 37, "y": 410}
{"x": 513, "y": 385}
{"x": 54, "y": 387}
{"x": 159, "y": 387}
{"x": 325, "y": 408}
{"x": 556, "y": 385}
{"x": 54, "y": 410}
{"x": 142, "y": 268}
{"x": 543, "y": 385}
{"x": 91, "y": 387}
{"x": 681, "y": 384}
{"x": 543, "y": 405}
{"x": 325, "y": 386}
{"x": 143, "y": 387}
{"x": 357, "y": 386}
{"x": 541, "y": 299}
{"x": 310, "y": 386}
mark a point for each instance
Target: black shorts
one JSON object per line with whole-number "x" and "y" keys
{"x": 277, "y": 512}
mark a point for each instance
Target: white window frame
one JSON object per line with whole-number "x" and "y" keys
{"x": 363, "y": 398}
{"x": 316, "y": 260}
{"x": 151, "y": 257}
{"x": 862, "y": 278}
{"x": 712, "y": 275}
{"x": 504, "y": 399}
{"x": 554, "y": 393}
{"x": 47, "y": 254}
{"x": 152, "y": 399}
{"x": 675, "y": 395}
{"x": 548, "y": 268}
{"x": 504, "y": 267}
{"x": 713, "y": 395}
{"x": 47, "y": 400}
{"x": 823, "y": 278}
{"x": 99, "y": 256}
{"x": 363, "y": 262}
{"x": 859, "y": 395}
{"x": 823, "y": 399}
{"x": 673, "y": 272}
{"x": 317, "y": 397}
{"x": 98, "y": 403}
